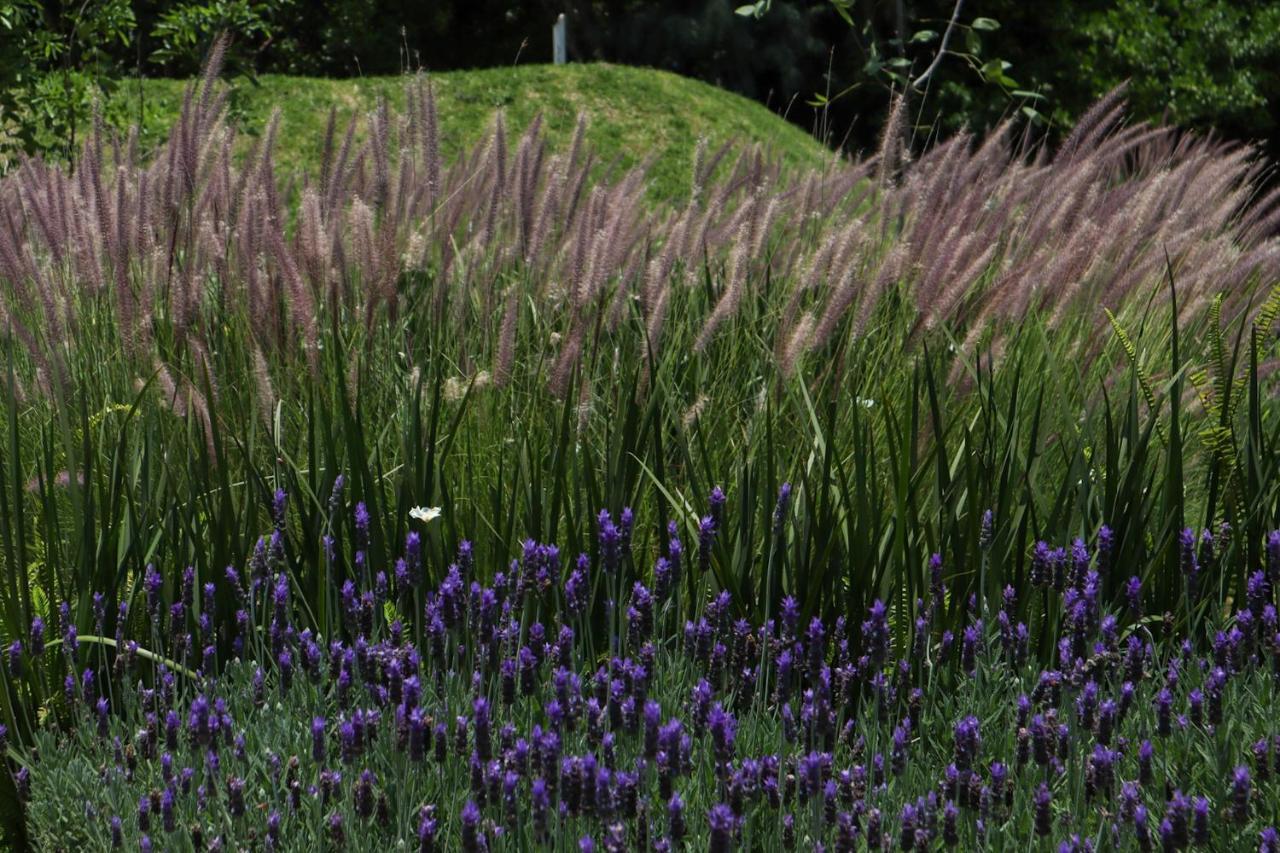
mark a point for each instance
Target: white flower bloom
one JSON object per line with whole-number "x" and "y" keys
{"x": 425, "y": 514}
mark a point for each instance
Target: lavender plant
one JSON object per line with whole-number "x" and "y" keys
{"x": 499, "y": 725}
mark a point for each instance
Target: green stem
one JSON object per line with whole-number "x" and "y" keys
{"x": 145, "y": 654}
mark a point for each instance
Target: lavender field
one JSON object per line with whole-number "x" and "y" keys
{"x": 928, "y": 499}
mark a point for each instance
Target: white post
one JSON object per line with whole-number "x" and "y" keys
{"x": 557, "y": 40}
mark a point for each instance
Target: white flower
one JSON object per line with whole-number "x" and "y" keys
{"x": 425, "y": 514}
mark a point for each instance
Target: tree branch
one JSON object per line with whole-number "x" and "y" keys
{"x": 942, "y": 48}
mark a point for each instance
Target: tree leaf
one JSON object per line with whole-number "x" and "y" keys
{"x": 988, "y": 24}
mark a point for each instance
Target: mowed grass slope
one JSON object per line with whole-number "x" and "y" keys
{"x": 634, "y": 114}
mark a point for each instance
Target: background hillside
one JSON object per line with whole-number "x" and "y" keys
{"x": 630, "y": 114}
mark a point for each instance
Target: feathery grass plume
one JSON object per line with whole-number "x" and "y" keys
{"x": 266, "y": 393}
{"x": 567, "y": 360}
{"x": 507, "y": 339}
{"x": 499, "y": 191}
{"x": 431, "y": 145}
{"x": 299, "y": 301}
{"x": 842, "y": 297}
{"x": 891, "y": 142}
{"x": 797, "y": 342}
{"x": 1096, "y": 122}
{"x": 529, "y": 159}
{"x": 731, "y": 297}
{"x": 692, "y": 414}
{"x": 577, "y": 144}
{"x": 695, "y": 178}
{"x": 545, "y": 213}
{"x": 379, "y": 142}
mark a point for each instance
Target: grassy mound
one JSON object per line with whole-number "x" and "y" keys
{"x": 635, "y": 113}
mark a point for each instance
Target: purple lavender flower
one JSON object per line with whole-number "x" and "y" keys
{"x": 273, "y": 830}
{"x": 675, "y": 819}
{"x": 362, "y": 521}
{"x": 1273, "y": 557}
{"x": 875, "y": 633}
{"x": 1141, "y": 830}
{"x": 428, "y": 827}
{"x": 362, "y": 795}
{"x": 278, "y": 503}
{"x": 22, "y": 782}
{"x": 481, "y": 720}
{"x": 1043, "y": 803}
{"x": 37, "y": 637}
{"x": 723, "y": 824}
{"x": 1241, "y": 788}
{"x": 167, "y": 817}
{"x": 1164, "y": 712}
{"x": 151, "y": 583}
{"x": 609, "y": 538}
{"x": 717, "y": 501}
{"x": 907, "y": 821}
{"x": 706, "y": 540}
{"x": 1188, "y": 560}
{"x": 968, "y": 740}
{"x": 1133, "y": 596}
{"x": 102, "y": 717}
{"x": 1041, "y": 559}
{"x": 235, "y": 796}
{"x": 317, "y": 740}
{"x": 780, "y": 509}
{"x": 576, "y": 587}
{"x": 336, "y": 833}
{"x": 1200, "y": 821}
{"x": 540, "y": 799}
{"x": 1174, "y": 828}
{"x": 970, "y": 646}
{"x": 724, "y": 729}
{"x": 790, "y": 617}
{"x": 15, "y": 660}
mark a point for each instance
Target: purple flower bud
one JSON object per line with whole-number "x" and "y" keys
{"x": 1241, "y": 788}
{"x": 675, "y": 819}
{"x": 723, "y": 824}
{"x": 278, "y": 503}
{"x": 968, "y": 740}
{"x": 37, "y": 637}
{"x": 336, "y": 833}
{"x": 362, "y": 795}
{"x": 472, "y": 838}
{"x": 1200, "y": 821}
{"x": 1043, "y": 803}
{"x": 706, "y": 540}
{"x": 235, "y": 796}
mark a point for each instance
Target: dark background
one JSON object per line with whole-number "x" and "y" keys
{"x": 1208, "y": 64}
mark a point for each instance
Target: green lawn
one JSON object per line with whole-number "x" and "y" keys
{"x": 634, "y": 113}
